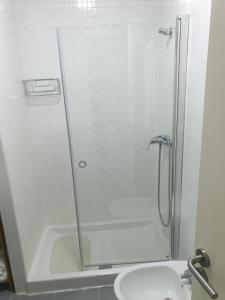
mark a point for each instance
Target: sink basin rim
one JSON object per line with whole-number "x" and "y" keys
{"x": 178, "y": 266}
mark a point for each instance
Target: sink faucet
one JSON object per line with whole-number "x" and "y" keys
{"x": 187, "y": 275}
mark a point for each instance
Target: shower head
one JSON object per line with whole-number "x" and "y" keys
{"x": 166, "y": 31}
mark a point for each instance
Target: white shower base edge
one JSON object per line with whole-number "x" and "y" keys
{"x": 56, "y": 264}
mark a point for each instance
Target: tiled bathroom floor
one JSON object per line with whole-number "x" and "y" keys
{"x": 105, "y": 293}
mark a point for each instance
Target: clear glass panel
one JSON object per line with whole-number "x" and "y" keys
{"x": 118, "y": 83}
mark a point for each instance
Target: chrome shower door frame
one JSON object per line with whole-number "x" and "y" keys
{"x": 180, "y": 71}
{"x": 180, "y": 78}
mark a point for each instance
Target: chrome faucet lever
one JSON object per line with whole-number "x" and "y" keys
{"x": 187, "y": 275}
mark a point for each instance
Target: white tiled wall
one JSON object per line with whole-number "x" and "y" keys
{"x": 193, "y": 125}
{"x": 23, "y": 203}
{"x": 89, "y": 4}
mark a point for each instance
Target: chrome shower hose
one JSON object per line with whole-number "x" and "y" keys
{"x": 167, "y": 222}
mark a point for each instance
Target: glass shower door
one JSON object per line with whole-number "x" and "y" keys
{"x": 118, "y": 87}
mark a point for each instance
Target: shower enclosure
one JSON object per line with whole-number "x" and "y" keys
{"x": 124, "y": 91}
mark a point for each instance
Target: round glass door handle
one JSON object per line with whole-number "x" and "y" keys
{"x": 82, "y": 164}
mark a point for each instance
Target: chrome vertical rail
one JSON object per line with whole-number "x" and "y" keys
{"x": 180, "y": 71}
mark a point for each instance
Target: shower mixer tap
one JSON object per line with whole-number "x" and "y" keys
{"x": 161, "y": 140}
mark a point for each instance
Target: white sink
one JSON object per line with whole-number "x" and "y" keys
{"x": 153, "y": 281}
